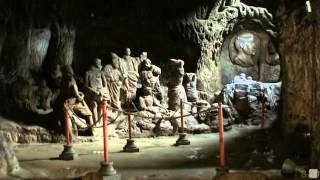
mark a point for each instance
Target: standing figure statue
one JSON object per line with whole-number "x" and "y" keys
{"x": 131, "y": 63}
{"x": 95, "y": 85}
{"x": 175, "y": 89}
{"x": 129, "y": 88}
{"x": 75, "y": 100}
{"x": 190, "y": 85}
{"x": 114, "y": 80}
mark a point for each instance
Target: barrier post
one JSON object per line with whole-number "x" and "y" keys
{"x": 222, "y": 169}
{"x": 262, "y": 111}
{"x": 130, "y": 146}
{"x": 68, "y": 153}
{"x": 182, "y": 140}
{"x": 106, "y": 169}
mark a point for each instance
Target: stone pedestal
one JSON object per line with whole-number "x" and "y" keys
{"x": 222, "y": 171}
{"x": 68, "y": 153}
{"x": 182, "y": 140}
{"x": 130, "y": 146}
{"x": 107, "y": 169}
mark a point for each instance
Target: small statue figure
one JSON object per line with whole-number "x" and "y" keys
{"x": 114, "y": 81}
{"x": 45, "y": 95}
{"x": 95, "y": 85}
{"x": 75, "y": 100}
{"x": 148, "y": 102}
{"x": 129, "y": 88}
{"x": 130, "y": 61}
{"x": 149, "y": 75}
{"x": 23, "y": 95}
{"x": 190, "y": 85}
{"x": 175, "y": 89}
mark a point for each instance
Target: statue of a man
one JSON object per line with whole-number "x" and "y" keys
{"x": 114, "y": 80}
{"x": 75, "y": 99}
{"x": 148, "y": 102}
{"x": 149, "y": 75}
{"x": 131, "y": 64}
{"x": 95, "y": 84}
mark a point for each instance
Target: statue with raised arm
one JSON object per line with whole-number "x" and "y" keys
{"x": 95, "y": 85}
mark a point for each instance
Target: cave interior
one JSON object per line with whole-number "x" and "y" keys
{"x": 166, "y": 89}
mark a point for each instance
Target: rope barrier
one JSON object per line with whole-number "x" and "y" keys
{"x": 167, "y": 117}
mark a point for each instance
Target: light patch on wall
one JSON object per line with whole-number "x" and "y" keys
{"x": 308, "y": 6}
{"x": 39, "y": 44}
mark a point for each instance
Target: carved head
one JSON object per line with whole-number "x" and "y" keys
{"x": 128, "y": 52}
{"x": 97, "y": 63}
{"x": 190, "y": 77}
{"x": 245, "y": 49}
{"x": 67, "y": 71}
{"x": 146, "y": 64}
{"x": 115, "y": 60}
{"x": 43, "y": 83}
{"x": 144, "y": 55}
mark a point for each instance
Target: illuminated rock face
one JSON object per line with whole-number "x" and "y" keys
{"x": 252, "y": 53}
{"x": 8, "y": 161}
{"x": 40, "y": 37}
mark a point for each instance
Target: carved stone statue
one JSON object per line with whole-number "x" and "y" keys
{"x": 23, "y": 97}
{"x": 175, "y": 89}
{"x": 129, "y": 88}
{"x": 131, "y": 63}
{"x": 246, "y": 46}
{"x": 148, "y": 102}
{"x": 95, "y": 85}
{"x": 44, "y": 94}
{"x": 149, "y": 75}
{"x": 75, "y": 100}
{"x": 190, "y": 85}
{"x": 114, "y": 81}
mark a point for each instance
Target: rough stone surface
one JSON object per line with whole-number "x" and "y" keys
{"x": 299, "y": 46}
{"x": 245, "y": 97}
{"x": 14, "y": 132}
{"x": 8, "y": 161}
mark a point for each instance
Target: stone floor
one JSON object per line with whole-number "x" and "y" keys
{"x": 157, "y": 159}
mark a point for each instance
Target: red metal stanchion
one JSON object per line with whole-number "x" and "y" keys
{"x": 221, "y": 136}
{"x": 262, "y": 111}
{"x": 182, "y": 140}
{"x": 181, "y": 114}
{"x": 67, "y": 153}
{"x": 130, "y": 146}
{"x": 262, "y": 114}
{"x": 106, "y": 168}
{"x": 105, "y": 131}
{"x": 221, "y": 169}
{"x": 129, "y": 123}
{"x": 67, "y": 126}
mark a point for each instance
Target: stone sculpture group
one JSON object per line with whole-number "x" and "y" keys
{"x": 127, "y": 83}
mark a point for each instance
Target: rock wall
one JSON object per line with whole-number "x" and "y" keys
{"x": 299, "y": 43}
{"x": 8, "y": 161}
{"x": 39, "y": 36}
